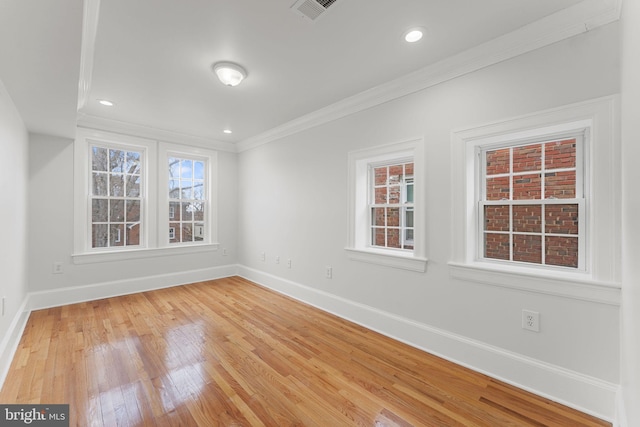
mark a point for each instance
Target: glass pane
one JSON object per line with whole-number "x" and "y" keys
{"x": 527, "y": 248}
{"x": 99, "y": 159}
{"x": 496, "y": 218}
{"x": 496, "y": 246}
{"x": 174, "y": 211}
{"x": 393, "y": 238}
{"x": 396, "y": 173}
{"x": 381, "y": 195}
{"x": 560, "y": 185}
{"x": 116, "y": 161}
{"x": 198, "y": 211}
{"x": 497, "y": 188}
{"x": 187, "y": 189}
{"x": 100, "y": 236}
{"x": 378, "y": 236}
{"x": 408, "y": 217}
{"x": 133, "y": 186}
{"x": 198, "y": 191}
{"x": 116, "y": 185}
{"x": 198, "y": 170}
{"x": 561, "y": 219}
{"x": 99, "y": 186}
{"x": 394, "y": 194}
{"x": 497, "y": 161}
{"x": 117, "y": 211}
{"x": 187, "y": 232}
{"x": 393, "y": 217}
{"x": 527, "y": 187}
{"x": 174, "y": 232}
{"x": 198, "y": 232}
{"x": 132, "y": 163}
{"x": 408, "y": 243}
{"x": 174, "y": 189}
{"x": 377, "y": 217}
{"x": 186, "y": 169}
{"x": 174, "y": 167}
{"x": 409, "y": 198}
{"x": 562, "y": 251}
{"x": 99, "y": 210}
{"x": 527, "y": 158}
{"x": 408, "y": 169}
{"x": 527, "y": 218}
{"x": 116, "y": 235}
{"x": 133, "y": 211}
{"x": 133, "y": 234}
{"x": 187, "y": 212}
{"x": 380, "y": 175}
{"x": 560, "y": 154}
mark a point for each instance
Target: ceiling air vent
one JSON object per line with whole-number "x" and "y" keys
{"x": 312, "y": 9}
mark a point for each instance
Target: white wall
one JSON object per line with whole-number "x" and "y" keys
{"x": 51, "y": 235}
{"x": 13, "y": 218}
{"x": 293, "y": 204}
{"x": 631, "y": 207}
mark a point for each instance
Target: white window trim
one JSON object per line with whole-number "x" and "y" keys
{"x": 358, "y": 246}
{"x": 602, "y": 159}
{"x": 152, "y": 229}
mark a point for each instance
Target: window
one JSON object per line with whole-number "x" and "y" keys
{"x": 116, "y": 196}
{"x": 391, "y": 206}
{"x": 187, "y": 201}
{"x": 386, "y": 218}
{"x": 531, "y": 202}
{"x": 137, "y": 198}
{"x": 536, "y": 202}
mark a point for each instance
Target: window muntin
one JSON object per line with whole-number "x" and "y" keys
{"x": 391, "y": 206}
{"x": 532, "y": 204}
{"x": 187, "y": 199}
{"x": 116, "y": 196}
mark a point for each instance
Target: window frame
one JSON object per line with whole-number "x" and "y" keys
{"x": 359, "y": 246}
{"x": 582, "y": 137}
{"x": 154, "y": 211}
{"x": 600, "y": 279}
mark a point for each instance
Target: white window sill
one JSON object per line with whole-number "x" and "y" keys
{"x": 126, "y": 254}
{"x": 559, "y": 283}
{"x": 388, "y": 258}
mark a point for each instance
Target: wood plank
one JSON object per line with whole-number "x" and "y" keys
{"x": 228, "y": 352}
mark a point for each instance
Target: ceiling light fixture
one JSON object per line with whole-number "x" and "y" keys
{"x": 105, "y": 102}
{"x": 227, "y": 131}
{"x": 229, "y": 73}
{"x": 413, "y": 35}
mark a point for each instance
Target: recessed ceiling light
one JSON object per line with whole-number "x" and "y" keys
{"x": 229, "y": 73}
{"x": 227, "y": 131}
{"x": 105, "y": 102}
{"x": 413, "y": 35}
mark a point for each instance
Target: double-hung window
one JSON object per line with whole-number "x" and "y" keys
{"x": 136, "y": 197}
{"x": 532, "y": 202}
{"x": 386, "y": 213}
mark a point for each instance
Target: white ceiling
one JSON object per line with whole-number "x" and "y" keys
{"x": 153, "y": 57}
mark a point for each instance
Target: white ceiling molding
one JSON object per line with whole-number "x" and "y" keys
{"x": 575, "y": 20}
{"x": 126, "y": 128}
{"x": 90, "y": 18}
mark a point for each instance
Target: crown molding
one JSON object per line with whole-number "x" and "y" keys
{"x": 132, "y": 129}
{"x": 578, "y": 19}
{"x": 90, "y": 17}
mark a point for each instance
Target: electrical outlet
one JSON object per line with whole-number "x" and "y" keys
{"x": 531, "y": 320}
{"x": 225, "y": 252}
{"x": 263, "y": 256}
{"x": 328, "y": 272}
{"x": 277, "y": 259}
{"x": 57, "y": 268}
{"x": 289, "y": 263}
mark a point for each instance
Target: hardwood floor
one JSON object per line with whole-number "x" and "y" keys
{"x": 230, "y": 353}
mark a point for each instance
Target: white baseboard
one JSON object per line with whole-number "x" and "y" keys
{"x": 10, "y": 342}
{"x": 76, "y": 294}
{"x": 582, "y": 392}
